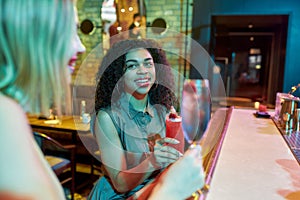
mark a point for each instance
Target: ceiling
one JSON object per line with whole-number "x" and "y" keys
{"x": 234, "y": 32}
{"x": 248, "y": 23}
{"x": 242, "y": 22}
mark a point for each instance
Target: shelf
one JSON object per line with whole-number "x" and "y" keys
{"x": 292, "y": 139}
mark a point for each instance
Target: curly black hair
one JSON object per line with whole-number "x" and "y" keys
{"x": 112, "y": 69}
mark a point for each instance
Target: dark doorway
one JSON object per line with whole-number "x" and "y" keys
{"x": 251, "y": 53}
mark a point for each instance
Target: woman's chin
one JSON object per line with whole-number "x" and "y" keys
{"x": 141, "y": 92}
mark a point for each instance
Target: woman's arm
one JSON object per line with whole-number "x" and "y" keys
{"x": 178, "y": 181}
{"x": 23, "y": 168}
{"x": 4, "y": 195}
{"x": 114, "y": 160}
{"x": 187, "y": 172}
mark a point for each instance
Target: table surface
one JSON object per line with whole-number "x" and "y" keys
{"x": 255, "y": 162}
{"x": 69, "y": 123}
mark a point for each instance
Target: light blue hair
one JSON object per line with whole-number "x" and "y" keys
{"x": 35, "y": 46}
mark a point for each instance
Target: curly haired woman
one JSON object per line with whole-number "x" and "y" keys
{"x": 133, "y": 96}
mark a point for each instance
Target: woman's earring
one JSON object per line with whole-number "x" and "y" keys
{"x": 156, "y": 84}
{"x": 117, "y": 88}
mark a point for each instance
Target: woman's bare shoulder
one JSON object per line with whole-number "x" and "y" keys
{"x": 9, "y": 106}
{"x": 107, "y": 125}
{"x": 12, "y": 116}
{"x": 103, "y": 116}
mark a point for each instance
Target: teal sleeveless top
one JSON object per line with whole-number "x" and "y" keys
{"x": 133, "y": 128}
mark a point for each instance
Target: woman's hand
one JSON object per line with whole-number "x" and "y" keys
{"x": 163, "y": 154}
{"x": 187, "y": 171}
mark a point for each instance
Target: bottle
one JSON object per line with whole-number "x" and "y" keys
{"x": 82, "y": 109}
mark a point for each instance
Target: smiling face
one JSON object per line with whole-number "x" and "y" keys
{"x": 77, "y": 46}
{"x": 139, "y": 73}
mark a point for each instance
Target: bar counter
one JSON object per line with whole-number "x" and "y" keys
{"x": 255, "y": 162}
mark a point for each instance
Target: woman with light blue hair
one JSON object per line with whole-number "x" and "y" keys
{"x": 38, "y": 40}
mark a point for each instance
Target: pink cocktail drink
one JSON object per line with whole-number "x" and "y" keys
{"x": 174, "y": 130}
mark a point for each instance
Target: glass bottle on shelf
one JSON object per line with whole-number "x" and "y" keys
{"x": 82, "y": 108}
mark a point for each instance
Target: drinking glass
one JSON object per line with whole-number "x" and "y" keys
{"x": 174, "y": 130}
{"x": 278, "y": 104}
{"x": 55, "y": 114}
{"x": 195, "y": 109}
{"x": 195, "y": 113}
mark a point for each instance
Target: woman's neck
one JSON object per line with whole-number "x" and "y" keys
{"x": 138, "y": 104}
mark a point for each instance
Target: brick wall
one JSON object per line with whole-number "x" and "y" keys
{"x": 174, "y": 13}
{"x": 85, "y": 72}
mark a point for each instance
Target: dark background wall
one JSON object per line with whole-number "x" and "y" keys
{"x": 204, "y": 9}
